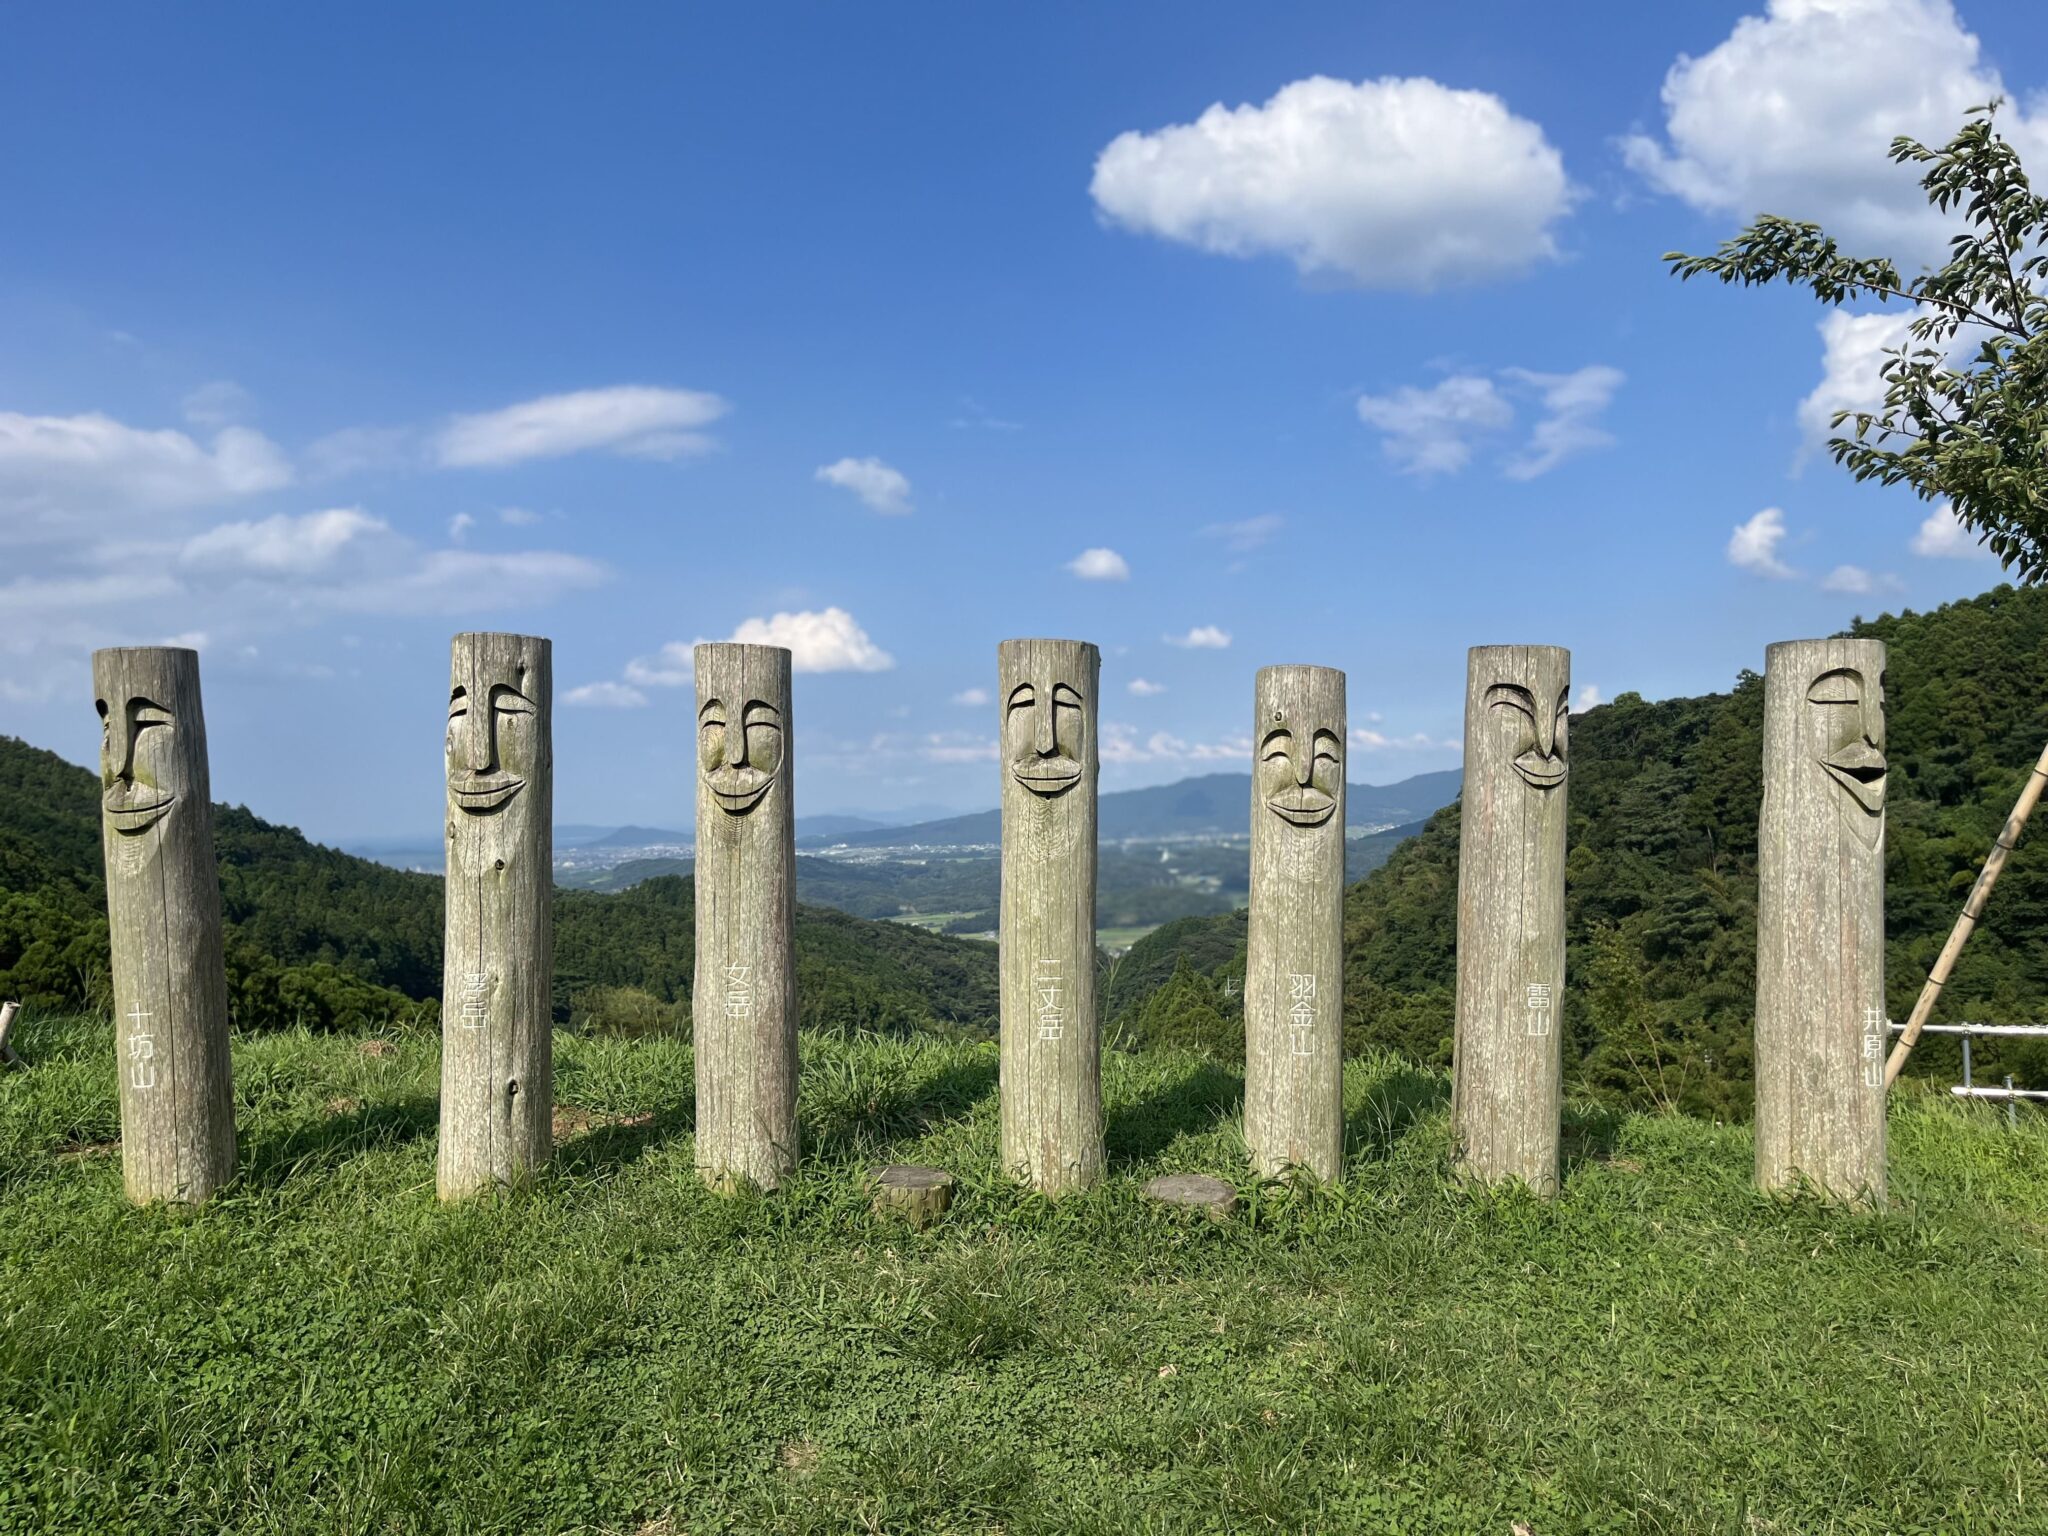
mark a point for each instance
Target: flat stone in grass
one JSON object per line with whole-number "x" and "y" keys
{"x": 1193, "y": 1192}
{"x": 909, "y": 1190}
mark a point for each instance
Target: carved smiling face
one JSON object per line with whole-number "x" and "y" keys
{"x": 1537, "y": 721}
{"x": 140, "y": 773}
{"x": 493, "y": 736}
{"x": 1042, "y": 724}
{"x": 740, "y": 751}
{"x": 1845, "y": 711}
{"x": 1301, "y": 771}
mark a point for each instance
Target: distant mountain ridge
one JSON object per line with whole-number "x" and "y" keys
{"x": 1212, "y": 804}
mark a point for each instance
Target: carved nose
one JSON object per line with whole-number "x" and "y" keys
{"x": 1304, "y": 770}
{"x": 735, "y": 746}
{"x": 121, "y": 750}
{"x": 479, "y": 751}
{"x": 1048, "y": 740}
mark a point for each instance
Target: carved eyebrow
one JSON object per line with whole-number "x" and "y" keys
{"x": 1842, "y": 685}
{"x": 747, "y": 713}
{"x": 1062, "y": 693}
{"x": 1564, "y": 698}
{"x": 708, "y": 706}
{"x": 501, "y": 691}
{"x": 1513, "y": 695}
{"x": 1327, "y": 741}
{"x": 1275, "y": 737}
{"x": 1022, "y": 694}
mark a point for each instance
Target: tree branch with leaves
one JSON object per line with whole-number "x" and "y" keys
{"x": 1965, "y": 414}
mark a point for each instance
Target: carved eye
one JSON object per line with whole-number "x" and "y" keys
{"x": 458, "y": 704}
{"x": 1326, "y": 747}
{"x": 1023, "y": 696}
{"x": 1508, "y": 696}
{"x": 1064, "y": 697}
{"x": 1277, "y": 746}
{"x": 1841, "y": 686}
{"x": 148, "y": 714}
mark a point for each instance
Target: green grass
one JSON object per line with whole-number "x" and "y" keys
{"x": 616, "y": 1350}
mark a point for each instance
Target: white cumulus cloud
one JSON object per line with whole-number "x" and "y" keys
{"x": 1852, "y": 353}
{"x": 62, "y": 475}
{"x": 1589, "y": 697}
{"x": 881, "y": 487}
{"x": 1144, "y": 688}
{"x": 1943, "y": 537}
{"x": 826, "y": 641}
{"x": 1388, "y": 183}
{"x": 1100, "y": 565}
{"x": 1856, "y": 579}
{"x": 1203, "y": 637}
{"x": 636, "y": 419}
{"x": 972, "y": 696}
{"x": 1793, "y": 112}
{"x": 1754, "y": 545}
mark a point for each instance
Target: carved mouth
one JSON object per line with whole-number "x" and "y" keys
{"x": 1543, "y": 772}
{"x": 1303, "y": 807}
{"x": 738, "y": 792}
{"x": 128, "y": 818}
{"x": 1861, "y": 770}
{"x": 1047, "y": 775}
{"x": 479, "y": 796}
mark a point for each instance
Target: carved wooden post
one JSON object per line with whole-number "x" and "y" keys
{"x": 1507, "y": 1075}
{"x": 497, "y": 1014}
{"x": 1051, "y": 1045}
{"x": 1821, "y": 1022}
{"x": 1294, "y": 964}
{"x": 163, "y": 916}
{"x": 744, "y": 993}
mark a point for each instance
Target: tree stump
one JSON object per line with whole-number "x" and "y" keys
{"x": 743, "y": 999}
{"x": 1507, "y": 1078}
{"x": 164, "y": 920}
{"x": 497, "y": 1011}
{"x": 1193, "y": 1192}
{"x": 1294, "y": 956}
{"x": 1051, "y": 1048}
{"x": 1822, "y": 1027}
{"x": 917, "y": 1194}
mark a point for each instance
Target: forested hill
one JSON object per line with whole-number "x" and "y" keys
{"x": 324, "y": 938}
{"x": 1661, "y": 879}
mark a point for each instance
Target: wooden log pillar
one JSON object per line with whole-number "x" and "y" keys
{"x": 497, "y": 1011}
{"x": 1051, "y": 1045}
{"x": 9, "y": 1057}
{"x": 1507, "y": 1066}
{"x": 1294, "y": 962}
{"x": 1821, "y": 1022}
{"x": 164, "y": 920}
{"x": 744, "y": 991}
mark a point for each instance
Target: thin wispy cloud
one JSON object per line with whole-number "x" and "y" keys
{"x": 637, "y": 420}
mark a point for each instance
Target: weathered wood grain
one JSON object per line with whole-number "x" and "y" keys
{"x": 1294, "y": 961}
{"x": 1051, "y": 1047}
{"x": 1822, "y": 1028}
{"x": 9, "y": 1057}
{"x": 164, "y": 920}
{"x": 744, "y": 992}
{"x": 497, "y": 1011}
{"x": 1507, "y": 1075}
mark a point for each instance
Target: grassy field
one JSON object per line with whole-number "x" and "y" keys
{"x": 615, "y": 1350}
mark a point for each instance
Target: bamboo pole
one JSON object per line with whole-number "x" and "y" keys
{"x": 2008, "y": 837}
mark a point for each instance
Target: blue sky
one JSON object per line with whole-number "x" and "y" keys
{"x": 1337, "y": 334}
